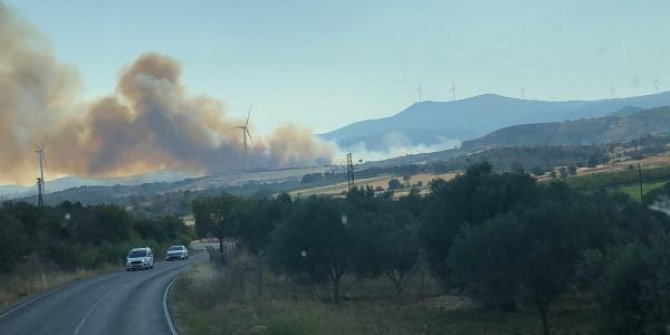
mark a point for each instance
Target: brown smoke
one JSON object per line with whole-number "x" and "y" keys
{"x": 150, "y": 123}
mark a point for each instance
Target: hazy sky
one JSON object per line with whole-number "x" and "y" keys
{"x": 325, "y": 64}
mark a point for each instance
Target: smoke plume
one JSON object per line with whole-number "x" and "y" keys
{"x": 151, "y": 122}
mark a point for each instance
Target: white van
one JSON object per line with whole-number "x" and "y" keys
{"x": 140, "y": 258}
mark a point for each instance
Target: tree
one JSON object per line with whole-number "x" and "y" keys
{"x": 483, "y": 260}
{"x": 315, "y": 241}
{"x": 402, "y": 247}
{"x": 260, "y": 218}
{"x": 529, "y": 253}
{"x": 538, "y": 171}
{"x": 385, "y": 239}
{"x": 631, "y": 284}
{"x": 312, "y": 178}
{"x": 517, "y": 167}
{"x": 394, "y": 184}
{"x": 469, "y": 199}
{"x": 93, "y": 225}
{"x": 553, "y": 243}
{"x": 572, "y": 169}
{"x": 219, "y": 216}
{"x": 13, "y": 242}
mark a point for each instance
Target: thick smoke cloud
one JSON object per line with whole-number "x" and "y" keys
{"x": 151, "y": 121}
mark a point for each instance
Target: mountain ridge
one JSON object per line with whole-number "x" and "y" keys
{"x": 432, "y": 122}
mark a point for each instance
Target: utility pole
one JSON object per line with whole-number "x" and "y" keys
{"x": 639, "y": 177}
{"x": 40, "y": 197}
{"x": 40, "y": 179}
{"x": 350, "y": 172}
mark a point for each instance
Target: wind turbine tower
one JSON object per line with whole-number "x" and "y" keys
{"x": 523, "y": 93}
{"x": 40, "y": 179}
{"x": 656, "y": 82}
{"x": 419, "y": 91}
{"x": 612, "y": 92}
{"x": 453, "y": 89}
{"x": 245, "y": 135}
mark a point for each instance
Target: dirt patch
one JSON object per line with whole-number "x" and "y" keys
{"x": 450, "y": 303}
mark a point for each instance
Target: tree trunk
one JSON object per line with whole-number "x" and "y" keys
{"x": 544, "y": 310}
{"x": 336, "y": 291}
{"x": 259, "y": 272}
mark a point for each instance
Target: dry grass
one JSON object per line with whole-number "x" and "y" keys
{"x": 383, "y": 181}
{"x": 33, "y": 278}
{"x": 224, "y": 300}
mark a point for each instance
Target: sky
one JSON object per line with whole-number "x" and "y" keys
{"x": 325, "y": 64}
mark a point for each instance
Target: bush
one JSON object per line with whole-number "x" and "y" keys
{"x": 13, "y": 242}
{"x": 634, "y": 291}
{"x": 394, "y": 184}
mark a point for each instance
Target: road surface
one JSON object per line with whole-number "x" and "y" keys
{"x": 116, "y": 303}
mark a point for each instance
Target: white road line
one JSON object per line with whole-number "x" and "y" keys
{"x": 165, "y": 307}
{"x": 89, "y": 313}
{"x": 19, "y": 306}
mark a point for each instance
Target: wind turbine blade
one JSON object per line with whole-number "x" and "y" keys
{"x": 250, "y": 139}
{"x": 44, "y": 143}
{"x": 248, "y": 116}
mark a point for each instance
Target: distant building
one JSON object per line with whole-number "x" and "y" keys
{"x": 188, "y": 220}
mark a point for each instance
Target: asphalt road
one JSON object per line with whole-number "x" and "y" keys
{"x": 116, "y": 303}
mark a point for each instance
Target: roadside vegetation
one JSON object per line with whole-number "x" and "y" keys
{"x": 44, "y": 247}
{"x": 535, "y": 257}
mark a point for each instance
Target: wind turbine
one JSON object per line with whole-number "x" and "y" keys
{"x": 612, "y": 92}
{"x": 523, "y": 93}
{"x": 419, "y": 90}
{"x": 40, "y": 179}
{"x": 656, "y": 82}
{"x": 453, "y": 89}
{"x": 245, "y": 134}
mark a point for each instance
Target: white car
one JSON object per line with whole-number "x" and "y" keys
{"x": 176, "y": 252}
{"x": 139, "y": 259}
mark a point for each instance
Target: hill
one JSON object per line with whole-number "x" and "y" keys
{"x": 64, "y": 183}
{"x": 431, "y": 123}
{"x": 620, "y": 127}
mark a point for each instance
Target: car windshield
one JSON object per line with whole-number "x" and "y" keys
{"x": 137, "y": 253}
{"x": 176, "y": 248}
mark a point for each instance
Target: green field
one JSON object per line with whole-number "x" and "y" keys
{"x": 633, "y": 191}
{"x": 616, "y": 180}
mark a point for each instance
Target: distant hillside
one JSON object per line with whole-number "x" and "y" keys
{"x": 431, "y": 123}
{"x": 152, "y": 196}
{"x": 59, "y": 184}
{"x": 620, "y": 127}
